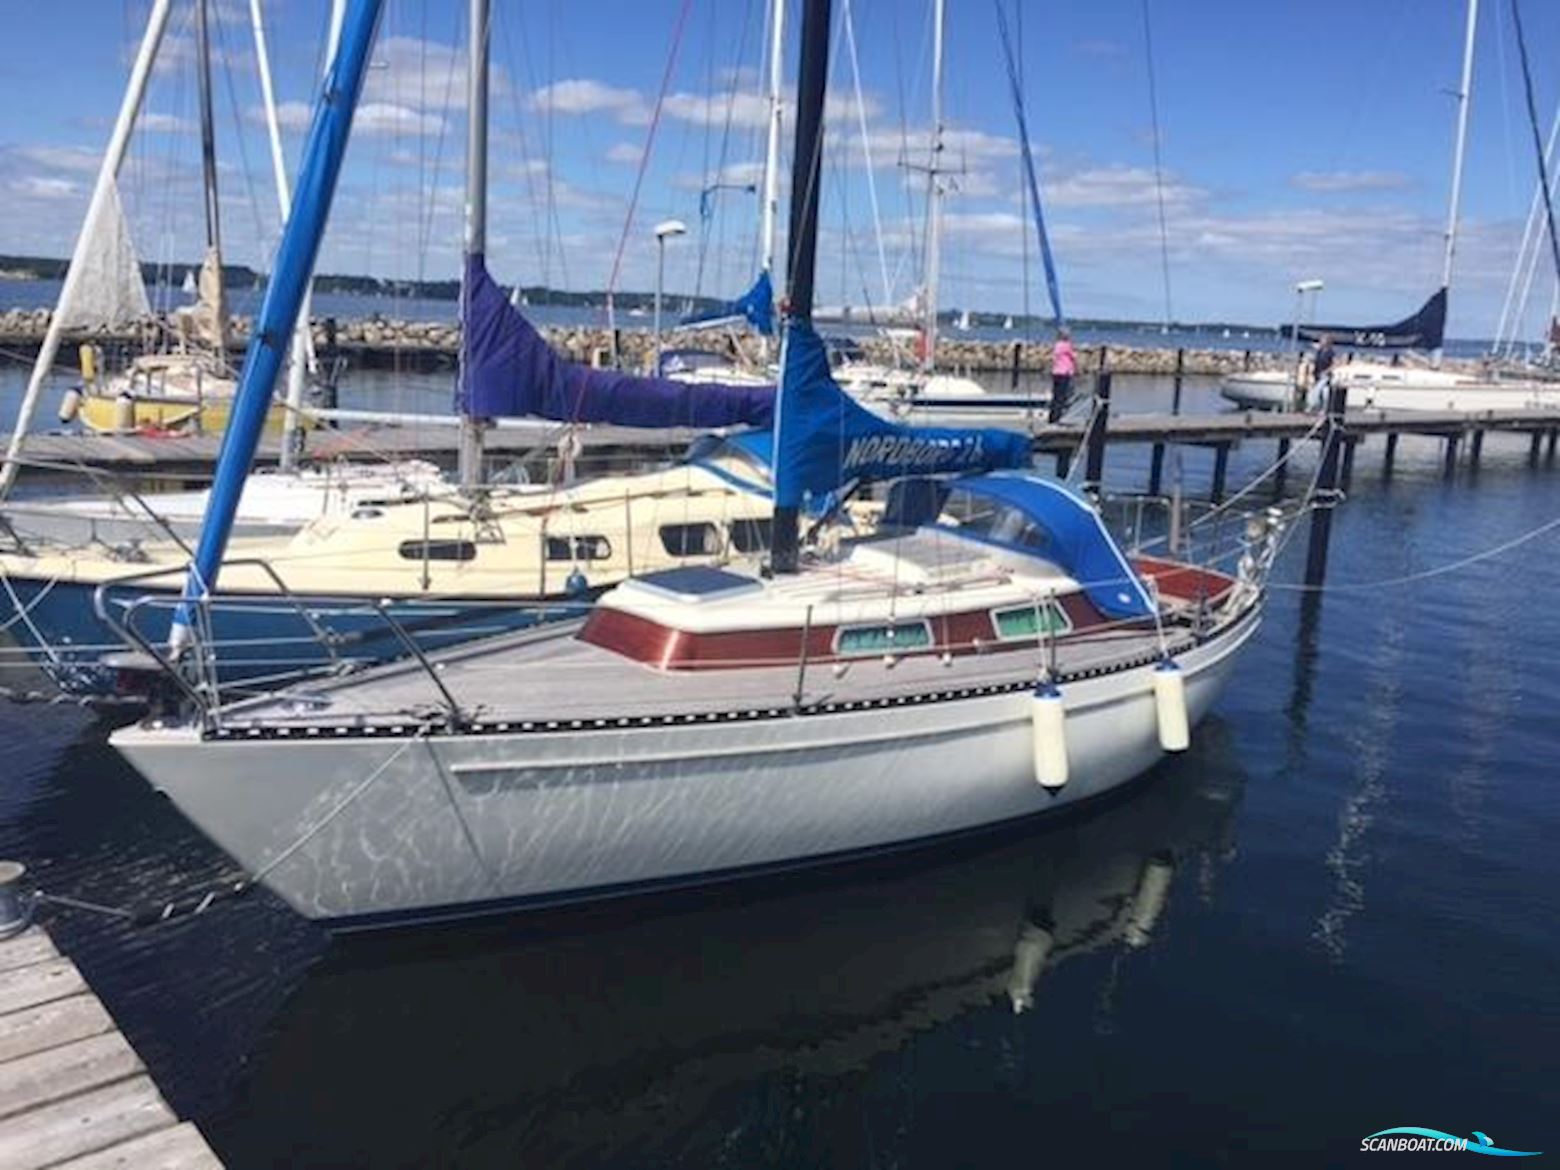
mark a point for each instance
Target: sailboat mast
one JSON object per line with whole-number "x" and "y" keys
{"x": 806, "y": 173}
{"x": 208, "y": 129}
{"x": 771, "y": 212}
{"x": 1458, "y": 150}
{"x": 301, "y": 357}
{"x": 934, "y": 191}
{"x": 108, "y": 171}
{"x": 278, "y": 315}
{"x": 476, "y": 216}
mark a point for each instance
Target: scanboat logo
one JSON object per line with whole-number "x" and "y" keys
{"x": 913, "y": 451}
{"x": 1413, "y": 1139}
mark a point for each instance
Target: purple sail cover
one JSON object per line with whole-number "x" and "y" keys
{"x": 509, "y": 370}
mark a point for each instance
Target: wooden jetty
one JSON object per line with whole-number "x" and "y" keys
{"x": 73, "y": 1093}
{"x": 194, "y": 456}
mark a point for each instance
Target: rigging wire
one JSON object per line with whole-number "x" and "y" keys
{"x": 1538, "y": 139}
{"x": 1159, "y": 174}
{"x": 644, "y": 157}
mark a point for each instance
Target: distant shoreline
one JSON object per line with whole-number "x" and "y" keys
{"x": 239, "y": 277}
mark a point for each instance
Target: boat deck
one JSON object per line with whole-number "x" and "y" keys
{"x": 546, "y": 679}
{"x": 73, "y": 1093}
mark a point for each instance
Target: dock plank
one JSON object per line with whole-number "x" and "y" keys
{"x": 25, "y": 987}
{"x": 61, "y": 1021}
{"x": 179, "y": 1148}
{"x": 56, "y": 1073}
{"x": 29, "y": 947}
{"x": 84, "y": 1124}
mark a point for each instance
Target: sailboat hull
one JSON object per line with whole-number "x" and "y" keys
{"x": 361, "y": 832}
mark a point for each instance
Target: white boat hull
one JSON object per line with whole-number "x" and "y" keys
{"x": 396, "y": 827}
{"x": 1259, "y": 390}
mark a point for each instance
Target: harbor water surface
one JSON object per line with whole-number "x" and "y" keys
{"x": 1335, "y": 914}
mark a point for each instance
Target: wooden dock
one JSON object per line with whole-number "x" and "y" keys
{"x": 73, "y": 1093}
{"x": 194, "y": 456}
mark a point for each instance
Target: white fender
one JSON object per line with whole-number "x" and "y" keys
{"x": 70, "y": 405}
{"x": 1049, "y": 720}
{"x": 1175, "y": 731}
{"x": 124, "y": 413}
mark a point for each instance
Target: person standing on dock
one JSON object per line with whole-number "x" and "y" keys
{"x": 1064, "y": 364}
{"x": 1321, "y": 373}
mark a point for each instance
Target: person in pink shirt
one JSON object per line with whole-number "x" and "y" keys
{"x": 1064, "y": 364}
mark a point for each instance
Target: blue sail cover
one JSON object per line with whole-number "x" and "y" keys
{"x": 509, "y": 370}
{"x": 1064, "y": 528}
{"x": 756, "y": 307}
{"x": 823, "y": 439}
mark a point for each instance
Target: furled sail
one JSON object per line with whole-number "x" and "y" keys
{"x": 110, "y": 292}
{"x": 756, "y": 307}
{"x": 824, "y": 439}
{"x": 206, "y": 321}
{"x": 510, "y": 370}
{"x": 1424, "y": 330}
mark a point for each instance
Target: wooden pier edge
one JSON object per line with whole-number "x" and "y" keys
{"x": 73, "y": 1093}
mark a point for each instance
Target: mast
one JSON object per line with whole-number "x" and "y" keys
{"x": 934, "y": 191}
{"x": 1457, "y": 151}
{"x": 771, "y": 211}
{"x": 476, "y": 215}
{"x": 211, "y": 267}
{"x": 208, "y": 129}
{"x": 108, "y": 171}
{"x": 806, "y": 173}
{"x": 323, "y": 152}
{"x": 301, "y": 357}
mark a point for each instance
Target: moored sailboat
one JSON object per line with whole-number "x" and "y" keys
{"x": 990, "y": 654}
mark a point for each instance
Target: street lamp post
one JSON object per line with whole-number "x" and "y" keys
{"x": 664, "y": 229}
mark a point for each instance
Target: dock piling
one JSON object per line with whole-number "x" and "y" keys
{"x": 1349, "y": 444}
{"x": 1221, "y": 467}
{"x": 1326, "y": 486}
{"x": 1549, "y": 453}
{"x": 1281, "y": 474}
{"x": 1476, "y": 449}
{"x": 1535, "y": 446}
{"x": 1094, "y": 465}
{"x": 1449, "y": 467}
{"x": 1391, "y": 455}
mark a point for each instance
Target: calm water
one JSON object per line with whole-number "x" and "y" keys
{"x": 1359, "y": 932}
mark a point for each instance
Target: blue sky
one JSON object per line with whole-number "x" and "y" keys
{"x": 1299, "y": 140}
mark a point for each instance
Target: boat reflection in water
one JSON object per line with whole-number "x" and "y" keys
{"x": 594, "y": 1035}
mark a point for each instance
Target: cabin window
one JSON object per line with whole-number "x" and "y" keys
{"x": 892, "y": 638}
{"x": 690, "y": 540}
{"x": 438, "y": 550}
{"x": 750, "y": 536}
{"x": 1031, "y": 621}
{"x": 578, "y": 548}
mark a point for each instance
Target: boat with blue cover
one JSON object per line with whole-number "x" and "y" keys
{"x": 990, "y": 653}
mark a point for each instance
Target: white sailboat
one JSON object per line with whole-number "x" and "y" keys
{"x": 1408, "y": 384}
{"x": 992, "y": 654}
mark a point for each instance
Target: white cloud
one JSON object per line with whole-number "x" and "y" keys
{"x": 370, "y": 118}
{"x": 43, "y": 186}
{"x": 76, "y": 159}
{"x": 625, "y": 152}
{"x": 583, "y": 95}
{"x": 1116, "y": 185}
{"x": 155, "y": 123}
{"x": 1336, "y": 182}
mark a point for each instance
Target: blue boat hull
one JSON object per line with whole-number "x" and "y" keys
{"x": 257, "y": 638}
